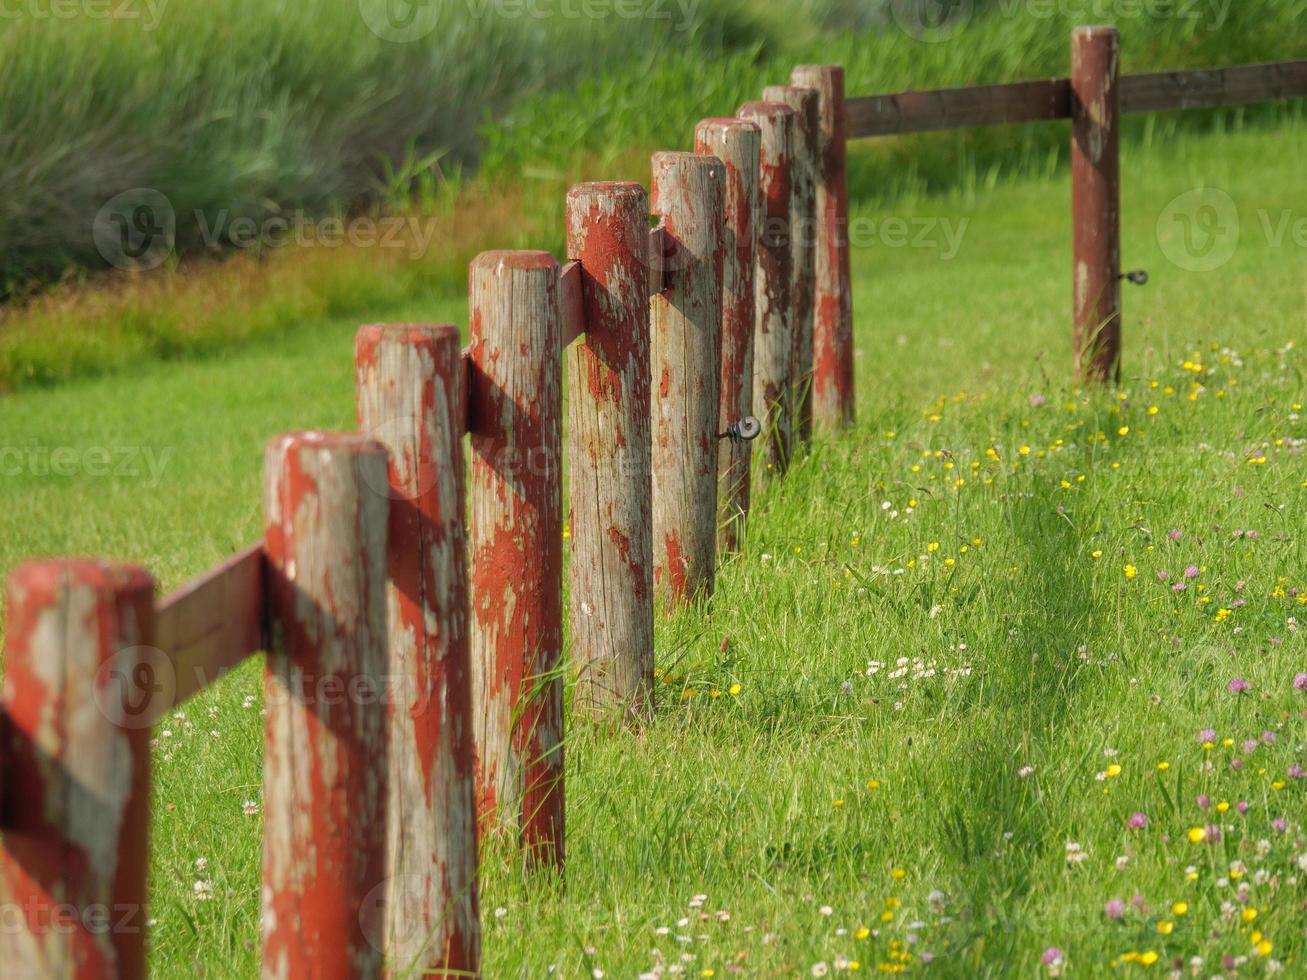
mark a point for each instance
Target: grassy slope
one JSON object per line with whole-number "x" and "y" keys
{"x": 270, "y": 128}
{"x": 739, "y": 797}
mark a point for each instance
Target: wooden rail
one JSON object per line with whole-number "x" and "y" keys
{"x": 1042, "y": 101}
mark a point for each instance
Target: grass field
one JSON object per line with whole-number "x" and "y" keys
{"x": 972, "y": 694}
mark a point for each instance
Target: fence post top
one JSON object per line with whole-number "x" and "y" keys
{"x": 516, "y": 259}
{"x": 765, "y": 110}
{"x": 802, "y": 72}
{"x": 349, "y": 443}
{"x": 801, "y": 92}
{"x": 603, "y": 188}
{"x": 370, "y": 335}
{"x": 727, "y": 123}
{"x": 107, "y": 577}
{"x": 1091, "y": 31}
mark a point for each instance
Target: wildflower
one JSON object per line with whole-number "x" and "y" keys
{"x": 1191, "y": 572}
{"x": 1131, "y": 571}
{"x": 1179, "y": 909}
{"x": 1114, "y": 909}
{"x": 203, "y": 890}
{"x": 1166, "y": 927}
{"x": 1025, "y": 771}
{"x": 1137, "y": 821}
{"x": 1075, "y": 853}
{"x": 250, "y": 808}
{"x": 819, "y": 969}
{"x": 1113, "y": 771}
{"x": 1300, "y": 682}
{"x": 1052, "y": 959}
{"x": 1197, "y": 835}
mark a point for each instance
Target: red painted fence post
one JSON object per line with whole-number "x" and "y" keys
{"x": 832, "y": 329}
{"x": 773, "y": 335}
{"x": 516, "y": 419}
{"x": 411, "y": 384}
{"x": 686, "y": 315}
{"x": 325, "y": 769}
{"x": 1096, "y": 200}
{"x": 803, "y": 203}
{"x": 737, "y": 143}
{"x": 79, "y": 694}
{"x": 609, "y": 452}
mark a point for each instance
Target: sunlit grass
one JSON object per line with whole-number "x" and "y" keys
{"x": 893, "y": 736}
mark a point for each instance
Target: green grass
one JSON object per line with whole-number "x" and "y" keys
{"x": 820, "y": 799}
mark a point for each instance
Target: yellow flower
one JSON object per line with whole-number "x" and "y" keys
{"x": 1163, "y": 766}
{"x": 1148, "y": 958}
{"x": 1222, "y": 806}
{"x": 1096, "y": 554}
{"x": 898, "y": 873}
{"x": 1166, "y": 927}
{"x": 873, "y": 784}
{"x": 839, "y": 803}
{"x": 933, "y": 547}
{"x": 1123, "y": 431}
{"x": 862, "y": 933}
{"x": 707, "y": 972}
{"x": 1024, "y": 450}
{"x": 1197, "y": 835}
{"x": 1264, "y": 948}
{"x": 733, "y": 689}
{"x": 1179, "y": 909}
{"x": 1248, "y": 914}
{"x": 1131, "y": 571}
{"x": 1113, "y": 770}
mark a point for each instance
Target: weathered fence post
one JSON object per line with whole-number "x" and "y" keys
{"x": 773, "y": 337}
{"x": 803, "y": 202}
{"x": 736, "y": 143}
{"x": 1096, "y": 200}
{"x": 515, "y": 418}
{"x": 832, "y": 329}
{"x": 609, "y": 452}
{"x": 79, "y": 679}
{"x": 411, "y": 384}
{"x": 324, "y": 772}
{"x": 686, "y": 315}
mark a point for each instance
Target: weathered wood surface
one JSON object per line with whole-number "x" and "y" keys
{"x": 74, "y": 853}
{"x": 1096, "y": 201}
{"x": 773, "y": 341}
{"x": 609, "y": 453}
{"x": 516, "y": 547}
{"x": 958, "y": 108}
{"x": 1211, "y": 87}
{"x": 804, "y": 165}
{"x": 213, "y": 623}
{"x": 325, "y": 768}
{"x": 411, "y": 398}
{"x": 737, "y": 144}
{"x": 688, "y": 194}
{"x": 832, "y": 329}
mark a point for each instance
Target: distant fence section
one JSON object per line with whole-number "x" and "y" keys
{"x": 409, "y": 593}
{"x": 1094, "y": 98}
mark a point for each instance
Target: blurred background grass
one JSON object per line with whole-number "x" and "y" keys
{"x": 261, "y": 109}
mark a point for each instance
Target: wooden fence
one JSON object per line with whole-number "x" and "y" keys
{"x": 414, "y": 674}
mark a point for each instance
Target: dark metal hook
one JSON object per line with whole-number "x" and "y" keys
{"x": 1137, "y": 276}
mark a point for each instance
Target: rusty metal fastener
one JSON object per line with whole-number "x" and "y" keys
{"x": 743, "y": 430}
{"x": 1137, "y": 276}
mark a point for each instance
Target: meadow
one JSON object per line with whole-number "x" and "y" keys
{"x": 1009, "y": 679}
{"x": 258, "y": 113}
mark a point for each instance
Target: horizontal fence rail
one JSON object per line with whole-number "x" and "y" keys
{"x": 1043, "y": 101}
